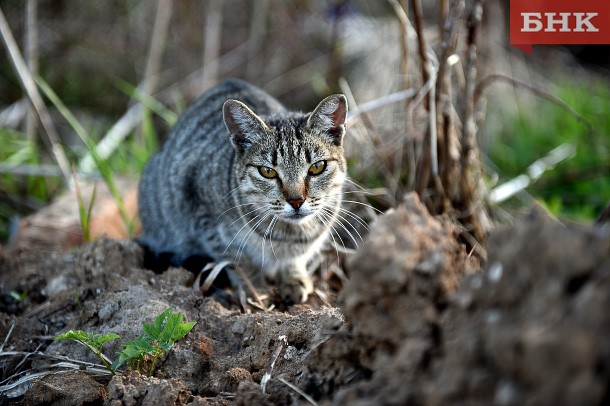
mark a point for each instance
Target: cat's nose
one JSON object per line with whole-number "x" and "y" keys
{"x": 295, "y": 202}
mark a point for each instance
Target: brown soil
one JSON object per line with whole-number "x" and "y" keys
{"x": 418, "y": 322}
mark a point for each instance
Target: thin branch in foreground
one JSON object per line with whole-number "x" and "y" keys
{"x": 380, "y": 102}
{"x": 8, "y": 336}
{"x": 29, "y": 86}
{"x": 298, "y": 390}
{"x": 282, "y": 342}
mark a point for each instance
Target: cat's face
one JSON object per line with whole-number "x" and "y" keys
{"x": 291, "y": 167}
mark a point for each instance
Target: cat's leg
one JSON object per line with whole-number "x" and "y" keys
{"x": 294, "y": 283}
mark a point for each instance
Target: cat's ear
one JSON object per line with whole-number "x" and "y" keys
{"x": 328, "y": 119}
{"x": 243, "y": 124}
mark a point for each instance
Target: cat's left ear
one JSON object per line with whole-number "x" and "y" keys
{"x": 328, "y": 119}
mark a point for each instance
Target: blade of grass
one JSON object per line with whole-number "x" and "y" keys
{"x": 149, "y": 102}
{"x": 82, "y": 213}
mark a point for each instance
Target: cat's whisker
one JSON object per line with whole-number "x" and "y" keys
{"x": 348, "y": 179}
{"x": 244, "y": 215}
{"x": 274, "y": 222}
{"x": 242, "y": 227}
{"x": 343, "y": 220}
{"x": 363, "y": 204}
{"x": 330, "y": 219}
{"x": 338, "y": 221}
{"x": 234, "y": 190}
{"x": 360, "y": 193}
{"x": 320, "y": 214}
{"x": 234, "y": 207}
{"x": 265, "y": 236}
{"x": 355, "y": 217}
{"x": 242, "y": 245}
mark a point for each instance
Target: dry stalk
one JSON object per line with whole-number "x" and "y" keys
{"x": 157, "y": 44}
{"x": 258, "y": 29}
{"x": 297, "y": 390}
{"x": 475, "y": 217}
{"x": 449, "y": 34}
{"x": 211, "y": 44}
{"x": 421, "y": 40}
{"x": 401, "y": 12}
{"x": 32, "y": 53}
{"x": 29, "y": 86}
{"x": 249, "y": 285}
{"x": 282, "y": 342}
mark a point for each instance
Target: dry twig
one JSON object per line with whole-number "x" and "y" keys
{"x": 297, "y": 390}
{"x": 211, "y": 49}
{"x": 282, "y": 342}
{"x": 157, "y": 44}
{"x": 31, "y": 53}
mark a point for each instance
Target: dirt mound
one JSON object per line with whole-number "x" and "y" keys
{"x": 416, "y": 323}
{"x": 531, "y": 329}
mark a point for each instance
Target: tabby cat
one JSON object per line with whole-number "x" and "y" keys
{"x": 241, "y": 178}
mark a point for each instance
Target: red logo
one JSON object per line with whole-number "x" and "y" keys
{"x": 559, "y": 22}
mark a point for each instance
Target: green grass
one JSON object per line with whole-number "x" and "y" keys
{"x": 578, "y": 188}
{"x": 21, "y": 194}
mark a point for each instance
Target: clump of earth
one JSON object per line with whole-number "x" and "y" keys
{"x": 416, "y": 320}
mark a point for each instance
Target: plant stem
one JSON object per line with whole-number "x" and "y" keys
{"x": 98, "y": 353}
{"x": 152, "y": 365}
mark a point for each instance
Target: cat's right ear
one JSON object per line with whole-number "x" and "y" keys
{"x": 244, "y": 126}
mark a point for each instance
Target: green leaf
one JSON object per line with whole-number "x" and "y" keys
{"x": 133, "y": 350}
{"x": 171, "y": 324}
{"x": 147, "y": 101}
{"x": 183, "y": 329}
{"x": 78, "y": 335}
{"x": 151, "y": 331}
{"x": 140, "y": 343}
{"x": 103, "y": 339}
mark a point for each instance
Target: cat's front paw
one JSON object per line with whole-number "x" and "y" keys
{"x": 294, "y": 285}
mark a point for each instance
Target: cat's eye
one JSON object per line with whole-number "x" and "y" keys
{"x": 267, "y": 172}
{"x": 317, "y": 168}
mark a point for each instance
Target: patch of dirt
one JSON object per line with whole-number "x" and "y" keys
{"x": 418, "y": 322}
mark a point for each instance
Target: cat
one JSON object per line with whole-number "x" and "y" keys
{"x": 243, "y": 179}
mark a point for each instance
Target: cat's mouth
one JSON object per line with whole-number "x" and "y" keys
{"x": 297, "y": 217}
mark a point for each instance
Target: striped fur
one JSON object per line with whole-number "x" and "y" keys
{"x": 203, "y": 193}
